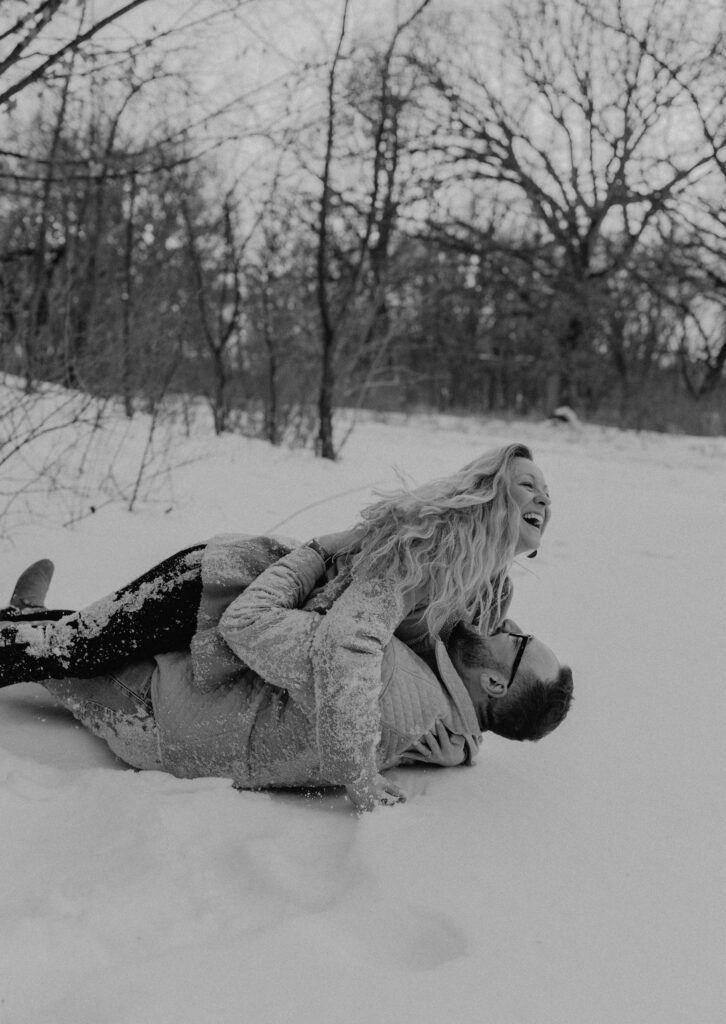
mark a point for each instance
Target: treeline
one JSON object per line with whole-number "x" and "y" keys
{"x": 500, "y": 218}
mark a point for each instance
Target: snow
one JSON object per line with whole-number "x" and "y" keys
{"x": 579, "y": 880}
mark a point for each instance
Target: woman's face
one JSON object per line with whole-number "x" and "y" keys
{"x": 529, "y": 490}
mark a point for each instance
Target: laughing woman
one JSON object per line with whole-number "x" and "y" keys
{"x": 446, "y": 548}
{"x": 419, "y": 562}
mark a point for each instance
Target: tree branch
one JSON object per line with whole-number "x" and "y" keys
{"x": 71, "y": 47}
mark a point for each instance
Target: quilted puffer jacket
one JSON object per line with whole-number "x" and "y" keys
{"x": 277, "y": 696}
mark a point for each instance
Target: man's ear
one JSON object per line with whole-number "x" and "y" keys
{"x": 493, "y": 683}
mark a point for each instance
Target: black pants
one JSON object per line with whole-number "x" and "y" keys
{"x": 155, "y": 613}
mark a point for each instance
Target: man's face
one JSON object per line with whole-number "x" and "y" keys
{"x": 491, "y": 675}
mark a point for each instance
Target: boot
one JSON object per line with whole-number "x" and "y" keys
{"x": 32, "y": 586}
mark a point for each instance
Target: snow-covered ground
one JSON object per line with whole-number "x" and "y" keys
{"x": 580, "y": 880}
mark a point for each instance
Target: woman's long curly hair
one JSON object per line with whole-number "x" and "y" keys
{"x": 457, "y": 536}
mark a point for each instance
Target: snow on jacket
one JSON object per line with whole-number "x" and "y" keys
{"x": 371, "y": 701}
{"x": 317, "y": 715}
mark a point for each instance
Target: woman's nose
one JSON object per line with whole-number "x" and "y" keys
{"x": 544, "y": 499}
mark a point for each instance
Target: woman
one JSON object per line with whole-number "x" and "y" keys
{"x": 448, "y": 545}
{"x": 436, "y": 555}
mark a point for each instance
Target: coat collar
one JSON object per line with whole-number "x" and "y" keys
{"x": 462, "y": 704}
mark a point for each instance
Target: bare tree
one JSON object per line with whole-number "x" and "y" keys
{"x": 377, "y": 214}
{"x": 127, "y": 298}
{"x": 326, "y": 447}
{"x": 39, "y": 275}
{"x": 575, "y": 125}
{"x": 699, "y": 77}
{"x": 218, "y": 296}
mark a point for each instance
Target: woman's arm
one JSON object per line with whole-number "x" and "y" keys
{"x": 347, "y": 655}
{"x": 334, "y": 661}
{"x": 266, "y": 629}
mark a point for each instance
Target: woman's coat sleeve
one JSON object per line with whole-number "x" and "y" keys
{"x": 266, "y": 630}
{"x": 347, "y": 655}
{"x": 331, "y": 663}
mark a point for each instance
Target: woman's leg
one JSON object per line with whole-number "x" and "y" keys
{"x": 12, "y": 614}
{"x": 155, "y": 613}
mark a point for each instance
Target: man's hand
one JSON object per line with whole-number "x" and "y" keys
{"x": 334, "y": 543}
{"x": 371, "y": 790}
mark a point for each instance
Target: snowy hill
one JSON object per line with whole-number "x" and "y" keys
{"x": 580, "y": 880}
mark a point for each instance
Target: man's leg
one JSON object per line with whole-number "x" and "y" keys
{"x": 155, "y": 613}
{"x": 117, "y": 708}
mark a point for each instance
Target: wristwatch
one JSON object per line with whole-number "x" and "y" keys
{"x": 318, "y": 548}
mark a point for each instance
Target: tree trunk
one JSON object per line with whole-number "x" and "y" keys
{"x": 126, "y": 304}
{"x": 326, "y": 448}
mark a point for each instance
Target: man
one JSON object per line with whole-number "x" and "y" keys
{"x": 261, "y": 716}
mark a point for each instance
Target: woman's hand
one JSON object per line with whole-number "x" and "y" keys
{"x": 369, "y": 791}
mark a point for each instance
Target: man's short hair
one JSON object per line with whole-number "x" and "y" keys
{"x": 533, "y": 707}
{"x": 466, "y": 644}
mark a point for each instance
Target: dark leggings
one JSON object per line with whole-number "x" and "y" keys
{"x": 151, "y": 615}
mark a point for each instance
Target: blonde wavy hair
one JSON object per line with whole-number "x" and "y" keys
{"x": 457, "y": 535}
